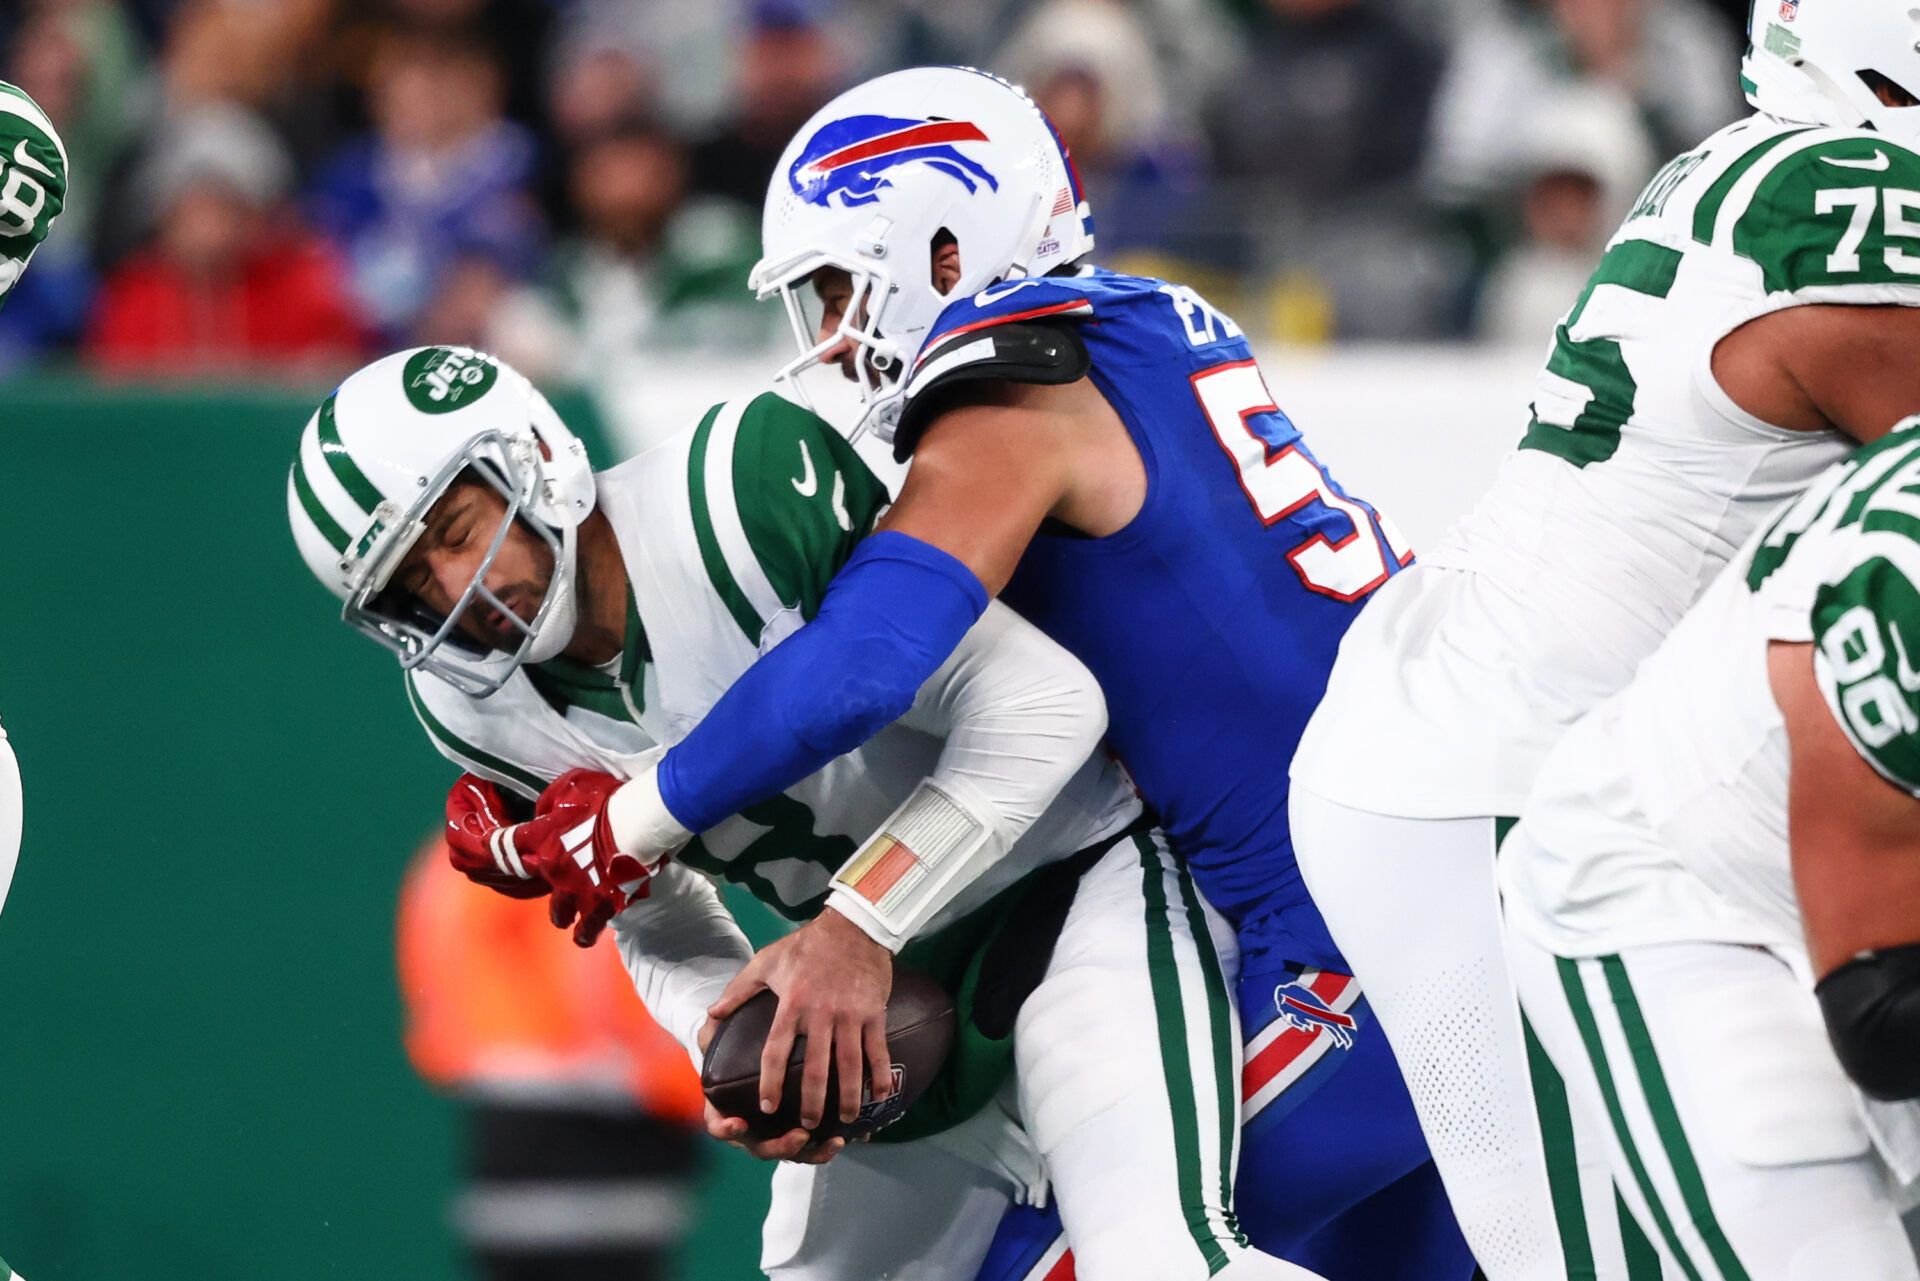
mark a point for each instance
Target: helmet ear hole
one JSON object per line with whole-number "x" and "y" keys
{"x": 943, "y": 253}
{"x": 1887, "y": 89}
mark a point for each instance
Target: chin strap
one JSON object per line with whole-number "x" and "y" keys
{"x": 563, "y": 609}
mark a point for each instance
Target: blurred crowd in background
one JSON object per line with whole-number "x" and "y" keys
{"x": 283, "y": 187}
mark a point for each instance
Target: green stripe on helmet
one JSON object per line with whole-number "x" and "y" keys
{"x": 341, "y": 463}
{"x": 323, "y": 519}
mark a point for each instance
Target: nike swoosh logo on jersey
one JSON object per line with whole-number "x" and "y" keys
{"x": 994, "y": 293}
{"x": 26, "y": 159}
{"x": 1879, "y": 161}
{"x": 806, "y": 484}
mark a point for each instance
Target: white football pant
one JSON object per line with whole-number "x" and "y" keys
{"x": 10, "y": 810}
{"x": 1734, "y": 1136}
{"x": 1413, "y": 906}
{"x": 1127, "y": 1068}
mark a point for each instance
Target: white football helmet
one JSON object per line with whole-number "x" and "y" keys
{"x": 1814, "y": 62}
{"x": 382, "y": 450}
{"x": 877, "y": 173}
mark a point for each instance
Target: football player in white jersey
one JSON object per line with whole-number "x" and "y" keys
{"x": 33, "y": 187}
{"x": 33, "y": 182}
{"x": 1724, "y": 852}
{"x": 558, "y": 624}
{"x": 1756, "y": 316}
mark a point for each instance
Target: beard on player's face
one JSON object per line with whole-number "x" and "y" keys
{"x": 833, "y": 287}
{"x": 437, "y": 571}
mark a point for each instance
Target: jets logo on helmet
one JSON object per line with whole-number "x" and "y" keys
{"x": 384, "y": 448}
{"x": 849, "y": 159}
{"x": 881, "y": 172}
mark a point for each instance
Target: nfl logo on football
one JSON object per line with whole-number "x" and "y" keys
{"x": 1789, "y": 10}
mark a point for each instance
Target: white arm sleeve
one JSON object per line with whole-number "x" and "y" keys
{"x": 681, "y": 947}
{"x": 1019, "y": 716}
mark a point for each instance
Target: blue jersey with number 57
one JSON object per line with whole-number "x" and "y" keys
{"x": 1212, "y": 619}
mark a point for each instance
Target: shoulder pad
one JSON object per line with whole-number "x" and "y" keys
{"x": 1834, "y": 209}
{"x": 1048, "y": 353}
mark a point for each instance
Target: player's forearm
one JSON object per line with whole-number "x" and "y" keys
{"x": 1019, "y": 715}
{"x": 893, "y": 615}
{"x": 681, "y": 947}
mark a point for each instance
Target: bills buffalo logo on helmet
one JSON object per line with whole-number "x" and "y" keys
{"x": 851, "y": 158}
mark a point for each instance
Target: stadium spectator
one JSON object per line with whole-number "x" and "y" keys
{"x": 1579, "y": 160}
{"x": 1091, "y": 66}
{"x": 82, "y": 64}
{"x": 229, "y": 281}
{"x": 1675, "y": 59}
{"x": 579, "y": 1110}
{"x": 646, "y": 268}
{"x": 1331, "y": 100}
{"x": 787, "y": 67}
{"x": 433, "y": 209}
{"x": 289, "y": 60}
{"x": 516, "y": 32}
{"x": 1318, "y": 142}
{"x": 611, "y": 58}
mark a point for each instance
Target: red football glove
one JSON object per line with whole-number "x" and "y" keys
{"x": 486, "y": 845}
{"x": 592, "y": 880}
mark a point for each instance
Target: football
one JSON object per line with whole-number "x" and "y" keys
{"x": 920, "y": 1027}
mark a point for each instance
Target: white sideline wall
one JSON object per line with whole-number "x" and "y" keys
{"x": 1417, "y": 431}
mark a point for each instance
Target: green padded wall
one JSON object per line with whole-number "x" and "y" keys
{"x": 200, "y": 1070}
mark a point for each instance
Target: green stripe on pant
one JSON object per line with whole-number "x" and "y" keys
{"x": 1666, "y": 1120}
{"x": 1220, "y": 1024}
{"x": 1583, "y": 1017}
{"x": 1563, "y": 1164}
{"x": 1170, "y": 1015}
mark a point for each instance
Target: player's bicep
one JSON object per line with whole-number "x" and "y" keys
{"x": 1856, "y": 865}
{"x": 985, "y": 474}
{"x": 1858, "y": 367}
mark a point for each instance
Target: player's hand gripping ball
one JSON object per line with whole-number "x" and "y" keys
{"x": 920, "y": 1030}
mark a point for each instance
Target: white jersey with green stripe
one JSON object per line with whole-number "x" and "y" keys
{"x": 33, "y": 182}
{"x": 1662, "y": 816}
{"x": 730, "y": 533}
{"x": 1635, "y": 482}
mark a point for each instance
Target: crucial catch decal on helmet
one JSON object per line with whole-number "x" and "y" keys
{"x": 851, "y": 158}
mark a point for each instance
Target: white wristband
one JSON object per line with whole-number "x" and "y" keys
{"x": 925, "y": 853}
{"x": 642, "y": 825}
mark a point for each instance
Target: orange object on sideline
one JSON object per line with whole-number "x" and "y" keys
{"x": 498, "y": 998}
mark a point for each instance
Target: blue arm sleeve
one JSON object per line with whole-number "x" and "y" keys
{"x": 893, "y": 614}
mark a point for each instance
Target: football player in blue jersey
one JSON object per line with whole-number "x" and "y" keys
{"x": 1102, "y": 451}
